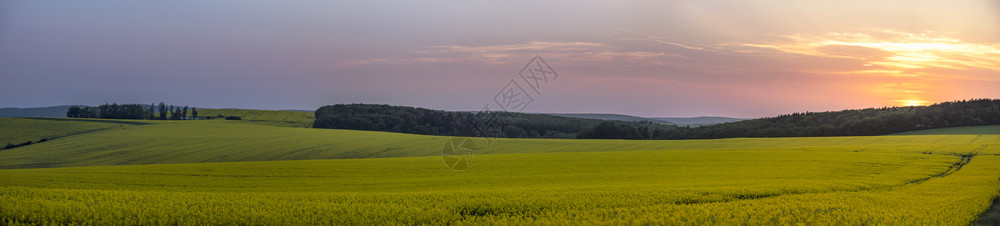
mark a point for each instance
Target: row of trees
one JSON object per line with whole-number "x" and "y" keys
{"x": 133, "y": 111}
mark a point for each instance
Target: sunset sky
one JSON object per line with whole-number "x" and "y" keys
{"x": 645, "y": 58}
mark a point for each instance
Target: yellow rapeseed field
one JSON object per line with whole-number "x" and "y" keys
{"x": 295, "y": 176}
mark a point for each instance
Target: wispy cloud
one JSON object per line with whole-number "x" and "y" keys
{"x": 567, "y": 52}
{"x": 413, "y": 60}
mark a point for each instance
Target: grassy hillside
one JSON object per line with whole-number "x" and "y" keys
{"x": 230, "y": 141}
{"x": 211, "y": 141}
{"x": 54, "y": 111}
{"x": 20, "y": 130}
{"x": 995, "y": 129}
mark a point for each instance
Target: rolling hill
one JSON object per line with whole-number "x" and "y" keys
{"x": 17, "y": 131}
{"x": 54, "y": 111}
{"x": 615, "y": 117}
{"x": 680, "y": 121}
{"x": 700, "y": 121}
{"x": 196, "y": 141}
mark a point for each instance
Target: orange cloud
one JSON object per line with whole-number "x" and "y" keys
{"x": 894, "y": 49}
{"x": 918, "y": 62}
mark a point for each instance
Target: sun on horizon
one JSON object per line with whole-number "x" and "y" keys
{"x": 913, "y": 103}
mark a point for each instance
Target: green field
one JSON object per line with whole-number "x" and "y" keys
{"x": 264, "y": 117}
{"x": 234, "y": 172}
{"x": 994, "y": 129}
{"x": 231, "y": 141}
{"x": 20, "y": 130}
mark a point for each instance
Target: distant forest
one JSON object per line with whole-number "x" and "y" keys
{"x": 862, "y": 122}
{"x": 436, "y": 122}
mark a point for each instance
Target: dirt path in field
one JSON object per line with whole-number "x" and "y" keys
{"x": 952, "y": 169}
{"x": 53, "y": 138}
{"x": 991, "y": 216}
{"x": 30, "y": 142}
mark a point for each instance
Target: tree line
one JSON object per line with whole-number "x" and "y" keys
{"x": 413, "y": 120}
{"x": 133, "y": 111}
{"x": 859, "y": 122}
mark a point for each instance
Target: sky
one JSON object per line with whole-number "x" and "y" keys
{"x": 753, "y": 58}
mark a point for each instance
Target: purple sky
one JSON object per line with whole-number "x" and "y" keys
{"x": 645, "y": 58}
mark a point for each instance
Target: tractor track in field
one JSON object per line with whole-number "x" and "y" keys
{"x": 955, "y": 167}
{"x": 112, "y": 121}
{"x": 46, "y": 139}
{"x": 951, "y": 169}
